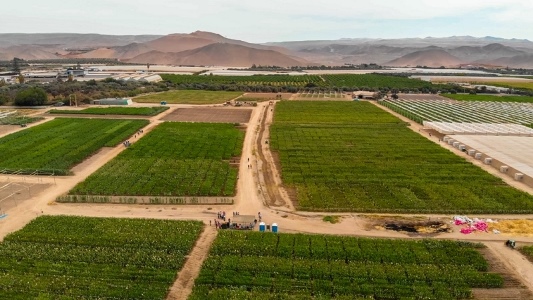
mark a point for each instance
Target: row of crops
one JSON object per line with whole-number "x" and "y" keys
{"x": 463, "y": 111}
{"x": 58, "y": 257}
{"x": 353, "y": 156}
{"x": 174, "y": 159}
{"x": 132, "y": 111}
{"x": 252, "y": 265}
{"x": 57, "y": 145}
{"x": 491, "y": 98}
{"x": 324, "y": 82}
{"x": 274, "y": 80}
{"x": 189, "y": 97}
{"x": 376, "y": 81}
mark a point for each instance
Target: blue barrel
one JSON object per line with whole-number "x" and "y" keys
{"x": 274, "y": 227}
{"x": 262, "y": 226}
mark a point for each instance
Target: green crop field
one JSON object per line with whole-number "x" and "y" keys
{"x": 58, "y": 145}
{"x": 512, "y": 84}
{"x": 491, "y": 98}
{"x": 174, "y": 159}
{"x": 59, "y": 257}
{"x": 353, "y": 156}
{"x": 189, "y": 97}
{"x": 373, "y": 81}
{"x": 272, "y": 80}
{"x": 253, "y": 265}
{"x": 141, "y": 111}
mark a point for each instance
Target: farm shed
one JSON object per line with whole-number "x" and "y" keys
{"x": 242, "y": 222}
{"x": 112, "y": 101}
{"x": 364, "y": 95}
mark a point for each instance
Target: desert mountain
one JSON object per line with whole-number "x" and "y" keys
{"x": 381, "y": 51}
{"x": 221, "y": 54}
{"x": 28, "y": 52}
{"x": 488, "y": 52}
{"x": 520, "y": 61}
{"x": 72, "y": 40}
{"x": 431, "y": 58}
{"x": 207, "y": 48}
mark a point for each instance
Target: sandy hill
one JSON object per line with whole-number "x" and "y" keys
{"x": 519, "y": 61}
{"x": 490, "y": 51}
{"x": 120, "y": 52}
{"x": 28, "y": 52}
{"x": 181, "y": 42}
{"x": 430, "y": 58}
{"x": 72, "y": 40}
{"x": 222, "y": 54}
{"x": 178, "y": 42}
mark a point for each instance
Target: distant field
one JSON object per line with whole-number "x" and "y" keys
{"x": 58, "y": 145}
{"x": 271, "y": 80}
{"x": 174, "y": 159}
{"x": 371, "y": 81}
{"x": 254, "y": 265}
{"x": 141, "y": 111}
{"x": 353, "y": 156}
{"x": 189, "y": 97}
{"x": 58, "y": 257}
{"x": 512, "y": 84}
{"x": 493, "y": 98}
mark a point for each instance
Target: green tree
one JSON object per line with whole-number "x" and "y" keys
{"x": 16, "y": 66}
{"x": 31, "y": 97}
{"x": 4, "y": 99}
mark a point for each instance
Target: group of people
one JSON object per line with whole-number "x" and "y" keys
{"x": 221, "y": 215}
{"x": 127, "y": 143}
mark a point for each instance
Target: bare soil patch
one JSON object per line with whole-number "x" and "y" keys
{"x": 412, "y": 226}
{"x": 14, "y": 193}
{"x": 7, "y": 129}
{"x": 210, "y": 115}
{"x": 267, "y": 96}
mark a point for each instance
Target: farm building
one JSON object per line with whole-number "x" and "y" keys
{"x": 112, "y": 101}
{"x": 242, "y": 222}
{"x": 365, "y": 95}
{"x": 137, "y": 77}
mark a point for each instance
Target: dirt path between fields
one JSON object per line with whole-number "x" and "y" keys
{"x": 182, "y": 287}
{"x": 515, "y": 262}
{"x": 270, "y": 179}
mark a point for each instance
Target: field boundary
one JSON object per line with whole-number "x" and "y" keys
{"x": 145, "y": 200}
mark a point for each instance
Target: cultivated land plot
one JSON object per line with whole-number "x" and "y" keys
{"x": 491, "y": 98}
{"x": 132, "y": 111}
{"x": 57, "y": 145}
{"x": 271, "y": 80}
{"x": 352, "y": 156}
{"x": 370, "y": 81}
{"x": 463, "y": 111}
{"x": 174, "y": 159}
{"x": 94, "y": 258}
{"x": 189, "y": 97}
{"x": 210, "y": 115}
{"x": 253, "y": 265}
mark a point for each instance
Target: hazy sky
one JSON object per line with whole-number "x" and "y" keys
{"x": 274, "y": 20}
